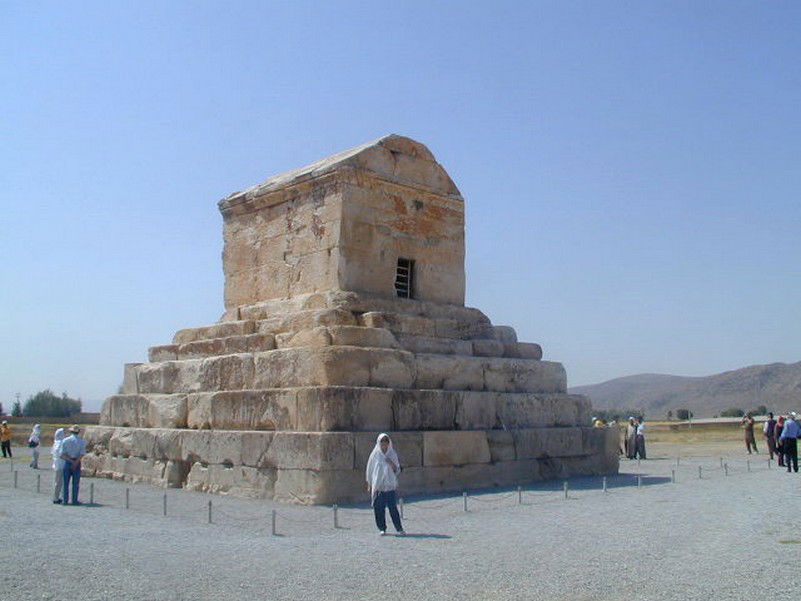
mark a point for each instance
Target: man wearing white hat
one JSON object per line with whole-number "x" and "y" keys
{"x": 72, "y": 451}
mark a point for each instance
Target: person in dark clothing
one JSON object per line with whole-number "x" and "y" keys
{"x": 779, "y": 443}
{"x": 789, "y": 438}
{"x": 769, "y": 432}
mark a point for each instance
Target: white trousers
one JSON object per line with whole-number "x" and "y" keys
{"x": 58, "y": 483}
{"x": 35, "y": 457}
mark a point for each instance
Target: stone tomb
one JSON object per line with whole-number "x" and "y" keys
{"x": 344, "y": 316}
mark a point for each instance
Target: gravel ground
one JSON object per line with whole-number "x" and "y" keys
{"x": 715, "y": 538}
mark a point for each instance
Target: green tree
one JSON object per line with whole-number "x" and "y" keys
{"x": 16, "y": 410}
{"x": 47, "y": 404}
{"x": 761, "y": 410}
{"x": 683, "y": 414}
{"x": 732, "y": 412}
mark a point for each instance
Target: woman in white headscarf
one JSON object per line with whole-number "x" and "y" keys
{"x": 58, "y": 465}
{"x": 382, "y": 471}
{"x": 33, "y": 442}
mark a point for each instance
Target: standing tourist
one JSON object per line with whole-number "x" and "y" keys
{"x": 789, "y": 438}
{"x": 72, "y": 451}
{"x": 747, "y": 424}
{"x": 777, "y": 432}
{"x": 769, "y": 432}
{"x": 58, "y": 465}
{"x": 5, "y": 439}
{"x": 33, "y": 442}
{"x": 383, "y": 467}
{"x": 640, "y": 438}
{"x": 631, "y": 439}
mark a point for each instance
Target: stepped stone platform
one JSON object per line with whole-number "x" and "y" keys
{"x": 344, "y": 316}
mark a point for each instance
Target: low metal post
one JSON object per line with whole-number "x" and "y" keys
{"x": 273, "y": 528}
{"x": 747, "y": 465}
{"x": 638, "y": 462}
{"x": 725, "y": 469}
{"x": 38, "y": 482}
{"x": 673, "y": 476}
{"x": 567, "y": 488}
{"x": 721, "y": 462}
{"x": 164, "y": 505}
{"x": 519, "y": 495}
{"x": 336, "y": 517}
{"x": 639, "y": 481}
{"x": 699, "y": 472}
{"x": 209, "y": 511}
{"x": 400, "y": 506}
{"x": 92, "y": 493}
{"x": 769, "y": 462}
{"x": 604, "y": 483}
{"x": 127, "y": 498}
{"x": 677, "y": 461}
{"x": 16, "y": 473}
{"x": 464, "y": 498}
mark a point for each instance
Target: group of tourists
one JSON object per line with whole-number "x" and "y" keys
{"x": 781, "y": 435}
{"x": 634, "y": 443}
{"x": 66, "y": 452}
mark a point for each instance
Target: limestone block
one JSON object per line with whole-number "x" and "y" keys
{"x": 391, "y": 368}
{"x": 272, "y": 409}
{"x": 213, "y": 446}
{"x": 169, "y": 376}
{"x": 427, "y": 344}
{"x": 501, "y": 445}
{"x": 97, "y": 438}
{"x": 305, "y": 320}
{"x": 229, "y": 372}
{"x": 529, "y": 350}
{"x": 361, "y": 336}
{"x": 344, "y": 408}
{"x": 168, "y": 444}
{"x": 255, "y": 446}
{"x": 219, "y": 330}
{"x": 548, "y": 442}
{"x": 165, "y": 352}
{"x": 487, "y": 348}
{"x": 445, "y": 448}
{"x": 125, "y": 410}
{"x": 305, "y": 367}
{"x": 593, "y": 440}
{"x": 448, "y": 372}
{"x": 505, "y": 334}
{"x": 397, "y": 323}
{"x": 166, "y": 411}
{"x": 524, "y": 375}
{"x": 308, "y": 487}
{"x": 408, "y": 445}
{"x": 312, "y": 450}
{"x": 424, "y": 409}
{"x": 319, "y": 336}
{"x": 129, "y": 381}
{"x": 535, "y": 410}
{"x": 246, "y": 343}
{"x": 476, "y": 411}
{"x": 235, "y": 480}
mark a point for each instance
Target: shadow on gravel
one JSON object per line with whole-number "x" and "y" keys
{"x": 427, "y": 535}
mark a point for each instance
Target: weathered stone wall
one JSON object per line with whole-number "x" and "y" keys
{"x": 282, "y": 244}
{"x": 325, "y": 467}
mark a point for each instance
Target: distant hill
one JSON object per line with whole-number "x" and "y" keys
{"x": 777, "y": 386}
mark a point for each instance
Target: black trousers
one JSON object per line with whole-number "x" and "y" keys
{"x": 383, "y": 501}
{"x": 791, "y": 453}
{"x": 6, "y": 444}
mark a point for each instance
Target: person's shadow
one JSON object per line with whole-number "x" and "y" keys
{"x": 424, "y": 535}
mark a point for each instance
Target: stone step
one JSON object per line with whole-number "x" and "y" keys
{"x": 347, "y": 366}
{"x": 212, "y": 347}
{"x": 315, "y": 467}
{"x": 337, "y": 408}
{"x": 401, "y": 323}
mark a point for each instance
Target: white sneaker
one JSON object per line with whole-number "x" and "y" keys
{"x": 382, "y": 533}
{"x": 401, "y": 532}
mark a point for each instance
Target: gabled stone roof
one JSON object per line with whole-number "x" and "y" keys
{"x": 393, "y": 158}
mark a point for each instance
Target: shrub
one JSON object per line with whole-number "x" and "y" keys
{"x": 732, "y": 412}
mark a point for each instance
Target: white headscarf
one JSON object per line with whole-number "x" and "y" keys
{"x": 380, "y": 475}
{"x": 58, "y": 438}
{"x": 35, "y": 434}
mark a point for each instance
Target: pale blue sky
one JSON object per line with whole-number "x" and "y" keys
{"x": 630, "y": 169}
